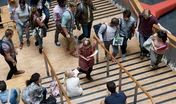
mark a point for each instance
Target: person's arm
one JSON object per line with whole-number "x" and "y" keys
{"x": 39, "y": 22}
{"x": 65, "y": 19}
{"x": 163, "y": 29}
{"x": 10, "y": 12}
{"x": 14, "y": 96}
{"x": 18, "y": 20}
{"x": 101, "y": 31}
{"x": 80, "y": 55}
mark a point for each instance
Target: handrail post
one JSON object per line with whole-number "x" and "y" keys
{"x": 120, "y": 79}
{"x": 52, "y": 76}
{"x": 46, "y": 65}
{"x": 107, "y": 65}
{"x": 135, "y": 94}
{"x": 61, "y": 95}
{"x": 97, "y": 60}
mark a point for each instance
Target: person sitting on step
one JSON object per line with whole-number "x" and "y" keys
{"x": 4, "y": 94}
{"x": 72, "y": 84}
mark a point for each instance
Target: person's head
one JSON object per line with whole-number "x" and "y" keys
{"x": 3, "y": 86}
{"x": 33, "y": 9}
{"x": 62, "y": 3}
{"x": 22, "y": 4}
{"x": 114, "y": 22}
{"x": 86, "y": 43}
{"x": 126, "y": 15}
{"x": 146, "y": 13}
{"x": 73, "y": 6}
{"x": 87, "y": 2}
{"x": 9, "y": 33}
{"x": 34, "y": 78}
{"x": 13, "y": 3}
{"x": 162, "y": 35}
{"x": 111, "y": 86}
{"x": 69, "y": 73}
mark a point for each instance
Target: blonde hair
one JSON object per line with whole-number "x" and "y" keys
{"x": 146, "y": 13}
{"x": 68, "y": 74}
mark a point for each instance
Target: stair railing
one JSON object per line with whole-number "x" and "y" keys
{"x": 169, "y": 55}
{"x": 120, "y": 75}
{"x": 53, "y": 75}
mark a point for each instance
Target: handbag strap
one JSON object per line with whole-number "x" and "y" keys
{"x": 9, "y": 94}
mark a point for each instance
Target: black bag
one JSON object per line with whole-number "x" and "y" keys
{"x": 97, "y": 28}
{"x": 50, "y": 100}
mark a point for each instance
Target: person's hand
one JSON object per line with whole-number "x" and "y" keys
{"x": 14, "y": 63}
{"x": 68, "y": 35}
{"x": 88, "y": 58}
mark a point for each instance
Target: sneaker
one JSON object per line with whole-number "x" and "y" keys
{"x": 19, "y": 72}
{"x": 40, "y": 50}
{"x": 89, "y": 78}
{"x": 74, "y": 54}
{"x": 148, "y": 56}
{"x": 154, "y": 67}
{"x": 21, "y": 45}
{"x": 76, "y": 37}
{"x": 57, "y": 44}
{"x": 123, "y": 57}
{"x": 142, "y": 56}
{"x": 28, "y": 42}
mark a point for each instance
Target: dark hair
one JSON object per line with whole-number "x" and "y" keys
{"x": 111, "y": 86}
{"x": 3, "y": 86}
{"x": 22, "y": 2}
{"x": 60, "y": 1}
{"x": 8, "y": 32}
{"x": 115, "y": 21}
{"x": 163, "y": 35}
{"x": 35, "y": 77}
{"x": 126, "y": 14}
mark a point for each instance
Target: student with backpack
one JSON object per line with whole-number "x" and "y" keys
{"x": 106, "y": 33}
{"x": 7, "y": 49}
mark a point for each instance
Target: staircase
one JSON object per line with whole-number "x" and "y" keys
{"x": 160, "y": 84}
{"x": 104, "y": 9}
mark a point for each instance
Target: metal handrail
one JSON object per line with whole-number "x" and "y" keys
{"x": 54, "y": 74}
{"x": 137, "y": 84}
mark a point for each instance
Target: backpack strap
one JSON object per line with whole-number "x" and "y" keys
{"x": 105, "y": 28}
{"x": 9, "y": 94}
{"x": 71, "y": 18}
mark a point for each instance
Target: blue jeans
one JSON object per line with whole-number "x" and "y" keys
{"x": 20, "y": 31}
{"x": 86, "y": 30}
{"x": 44, "y": 93}
{"x": 107, "y": 45}
{"x": 142, "y": 39}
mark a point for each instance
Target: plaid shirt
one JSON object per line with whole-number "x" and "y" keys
{"x": 85, "y": 65}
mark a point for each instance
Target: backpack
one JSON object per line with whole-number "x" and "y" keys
{"x": 1, "y": 49}
{"x": 49, "y": 100}
{"x": 54, "y": 87}
{"x": 97, "y": 28}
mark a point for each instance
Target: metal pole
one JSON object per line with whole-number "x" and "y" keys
{"x": 97, "y": 61}
{"x": 120, "y": 79}
{"x": 107, "y": 65}
{"x": 61, "y": 96}
{"x": 46, "y": 65}
{"x": 52, "y": 76}
{"x": 135, "y": 94}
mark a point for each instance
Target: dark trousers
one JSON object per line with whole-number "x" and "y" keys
{"x": 86, "y": 31}
{"x": 142, "y": 39}
{"x": 87, "y": 73}
{"x": 47, "y": 13}
{"x": 13, "y": 69}
{"x": 1, "y": 25}
{"x": 107, "y": 46}
{"x": 124, "y": 45}
{"x": 56, "y": 34}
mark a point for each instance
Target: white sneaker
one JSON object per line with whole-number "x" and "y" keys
{"x": 123, "y": 57}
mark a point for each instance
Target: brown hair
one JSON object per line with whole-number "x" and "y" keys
{"x": 86, "y": 42}
{"x": 146, "y": 13}
{"x": 13, "y": 3}
{"x": 8, "y": 32}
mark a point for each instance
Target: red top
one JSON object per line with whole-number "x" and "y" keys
{"x": 85, "y": 65}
